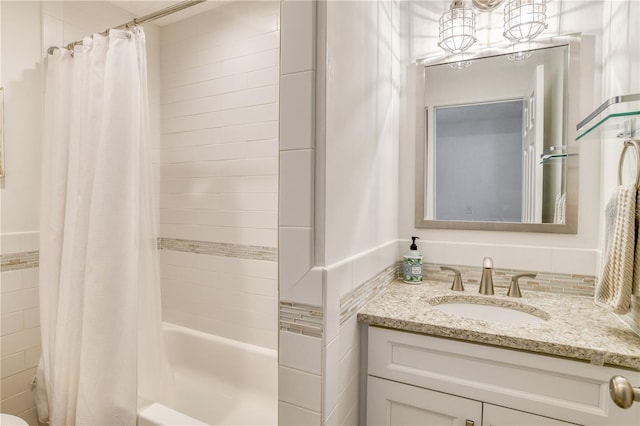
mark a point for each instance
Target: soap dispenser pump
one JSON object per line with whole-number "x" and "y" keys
{"x": 412, "y": 264}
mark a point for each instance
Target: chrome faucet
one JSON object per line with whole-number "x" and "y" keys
{"x": 486, "y": 282}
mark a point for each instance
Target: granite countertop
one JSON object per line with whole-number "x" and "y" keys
{"x": 574, "y": 326}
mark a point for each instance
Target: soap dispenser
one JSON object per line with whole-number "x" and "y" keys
{"x": 412, "y": 264}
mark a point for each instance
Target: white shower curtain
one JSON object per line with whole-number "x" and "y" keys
{"x": 99, "y": 281}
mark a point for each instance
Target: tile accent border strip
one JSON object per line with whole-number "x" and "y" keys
{"x": 22, "y": 260}
{"x": 31, "y": 259}
{"x": 353, "y": 301}
{"x": 301, "y": 318}
{"x": 574, "y": 284}
{"x": 269, "y": 254}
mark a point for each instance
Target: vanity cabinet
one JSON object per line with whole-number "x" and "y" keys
{"x": 397, "y": 404}
{"x": 419, "y": 379}
{"x": 494, "y": 415}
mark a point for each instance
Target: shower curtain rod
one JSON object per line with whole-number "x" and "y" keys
{"x": 139, "y": 21}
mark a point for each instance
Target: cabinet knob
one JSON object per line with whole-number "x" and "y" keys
{"x": 469, "y": 423}
{"x": 622, "y": 393}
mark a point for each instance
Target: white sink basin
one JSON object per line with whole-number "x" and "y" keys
{"x": 490, "y": 313}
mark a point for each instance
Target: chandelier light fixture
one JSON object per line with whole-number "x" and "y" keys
{"x": 524, "y": 20}
{"x": 457, "y": 28}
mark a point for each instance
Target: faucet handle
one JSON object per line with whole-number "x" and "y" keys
{"x": 514, "y": 287}
{"x": 457, "y": 279}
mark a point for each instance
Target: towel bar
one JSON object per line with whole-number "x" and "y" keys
{"x": 635, "y": 143}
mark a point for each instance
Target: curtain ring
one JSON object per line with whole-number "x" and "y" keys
{"x": 635, "y": 143}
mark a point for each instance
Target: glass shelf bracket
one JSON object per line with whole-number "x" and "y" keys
{"x": 620, "y": 114}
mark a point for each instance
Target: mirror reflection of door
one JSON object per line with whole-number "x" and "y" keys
{"x": 532, "y": 147}
{"x": 495, "y": 133}
{"x": 479, "y": 170}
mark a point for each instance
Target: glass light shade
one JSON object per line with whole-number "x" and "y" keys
{"x": 524, "y": 20}
{"x": 457, "y": 28}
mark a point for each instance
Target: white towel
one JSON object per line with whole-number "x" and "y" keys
{"x": 636, "y": 264}
{"x": 617, "y": 276}
{"x": 561, "y": 208}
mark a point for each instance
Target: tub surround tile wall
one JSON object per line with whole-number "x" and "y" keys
{"x": 219, "y": 249}
{"x": 219, "y": 171}
{"x": 16, "y": 261}
{"x": 231, "y": 297}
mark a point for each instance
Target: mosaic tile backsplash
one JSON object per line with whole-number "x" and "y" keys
{"x": 352, "y": 302}
{"x": 578, "y": 285}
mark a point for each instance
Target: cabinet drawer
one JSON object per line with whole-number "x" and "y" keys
{"x": 492, "y": 415}
{"x": 573, "y": 391}
{"x": 396, "y": 404}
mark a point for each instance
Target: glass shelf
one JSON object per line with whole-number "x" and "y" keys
{"x": 619, "y": 116}
{"x": 553, "y": 154}
{"x": 553, "y": 158}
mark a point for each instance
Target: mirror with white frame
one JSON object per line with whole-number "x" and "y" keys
{"x": 495, "y": 139}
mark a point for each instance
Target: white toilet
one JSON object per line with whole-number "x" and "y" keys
{"x": 9, "y": 420}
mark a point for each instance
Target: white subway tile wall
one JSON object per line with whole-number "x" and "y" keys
{"x": 19, "y": 322}
{"x": 219, "y": 171}
{"x": 230, "y": 297}
{"x": 301, "y": 284}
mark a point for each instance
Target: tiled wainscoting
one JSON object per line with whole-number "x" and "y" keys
{"x": 19, "y": 323}
{"x": 319, "y": 344}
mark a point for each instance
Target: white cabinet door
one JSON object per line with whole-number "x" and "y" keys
{"x": 391, "y": 403}
{"x": 494, "y": 415}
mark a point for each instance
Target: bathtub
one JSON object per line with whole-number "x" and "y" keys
{"x": 217, "y": 381}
